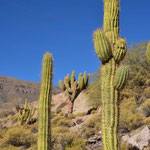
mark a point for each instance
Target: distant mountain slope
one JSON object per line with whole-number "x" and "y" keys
{"x": 14, "y": 91}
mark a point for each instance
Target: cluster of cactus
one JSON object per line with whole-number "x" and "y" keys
{"x": 111, "y": 50}
{"x": 25, "y": 114}
{"x": 73, "y": 88}
{"x": 44, "y": 128}
{"x": 148, "y": 52}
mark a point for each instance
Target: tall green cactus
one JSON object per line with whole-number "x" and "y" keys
{"x": 110, "y": 49}
{"x": 73, "y": 88}
{"x": 25, "y": 114}
{"x": 44, "y": 128}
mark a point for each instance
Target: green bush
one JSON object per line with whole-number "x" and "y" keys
{"x": 147, "y": 92}
{"x": 77, "y": 144}
{"x": 130, "y": 118}
{"x": 124, "y": 146}
{"x": 88, "y": 132}
{"x": 91, "y": 126}
{"x": 18, "y": 136}
{"x": 147, "y": 121}
{"x": 80, "y": 114}
{"x": 61, "y": 121}
{"x": 62, "y": 137}
{"x": 94, "y": 122}
{"x": 146, "y": 108}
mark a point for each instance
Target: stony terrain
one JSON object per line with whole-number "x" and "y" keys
{"x": 82, "y": 120}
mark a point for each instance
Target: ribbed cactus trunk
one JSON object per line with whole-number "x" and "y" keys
{"x": 109, "y": 93}
{"x": 44, "y": 129}
{"x": 110, "y": 49}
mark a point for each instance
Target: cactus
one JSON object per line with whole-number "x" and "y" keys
{"x": 73, "y": 88}
{"x": 110, "y": 49}
{"x": 148, "y": 53}
{"x": 44, "y": 128}
{"x": 25, "y": 114}
{"x": 121, "y": 77}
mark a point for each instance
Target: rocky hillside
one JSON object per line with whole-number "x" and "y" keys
{"x": 14, "y": 91}
{"x": 82, "y": 128}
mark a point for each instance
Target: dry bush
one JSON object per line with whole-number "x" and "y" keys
{"x": 63, "y": 138}
{"x": 18, "y": 136}
{"x": 146, "y": 108}
{"x": 130, "y": 118}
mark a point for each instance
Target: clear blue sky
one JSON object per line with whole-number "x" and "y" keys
{"x": 29, "y": 28}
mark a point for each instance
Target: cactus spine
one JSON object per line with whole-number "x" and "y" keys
{"x": 25, "y": 114}
{"x": 73, "y": 88}
{"x": 110, "y": 49}
{"x": 44, "y": 128}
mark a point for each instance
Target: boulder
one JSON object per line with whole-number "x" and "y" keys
{"x": 140, "y": 139}
{"x": 81, "y": 104}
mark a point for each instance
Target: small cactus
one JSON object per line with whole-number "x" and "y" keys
{"x": 73, "y": 87}
{"x": 25, "y": 114}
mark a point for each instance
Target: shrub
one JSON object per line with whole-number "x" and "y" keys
{"x": 58, "y": 110}
{"x": 80, "y": 114}
{"x": 94, "y": 122}
{"x": 91, "y": 127}
{"x": 77, "y": 144}
{"x": 2, "y": 132}
{"x": 146, "y": 108}
{"x": 71, "y": 116}
{"x": 124, "y": 146}
{"x": 18, "y": 136}
{"x": 147, "y": 92}
{"x": 147, "y": 121}
{"x": 62, "y": 137}
{"x": 94, "y": 93}
{"x": 87, "y": 133}
{"x": 61, "y": 121}
{"x": 130, "y": 118}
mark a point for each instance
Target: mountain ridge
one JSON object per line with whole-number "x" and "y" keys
{"x": 14, "y": 91}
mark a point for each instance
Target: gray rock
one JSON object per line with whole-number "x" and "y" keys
{"x": 125, "y": 138}
{"x": 141, "y": 139}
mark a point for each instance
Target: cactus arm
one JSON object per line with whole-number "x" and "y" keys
{"x": 72, "y": 78}
{"x": 44, "y": 129}
{"x": 62, "y": 85}
{"x": 84, "y": 78}
{"x": 80, "y": 82}
{"x": 88, "y": 80}
{"x": 67, "y": 84}
{"x": 102, "y": 46}
{"x": 121, "y": 77}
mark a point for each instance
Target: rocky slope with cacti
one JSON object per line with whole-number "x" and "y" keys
{"x": 80, "y": 130}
